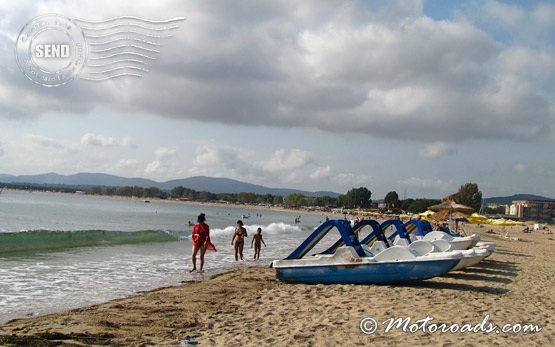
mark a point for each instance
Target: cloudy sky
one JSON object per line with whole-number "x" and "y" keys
{"x": 413, "y": 96}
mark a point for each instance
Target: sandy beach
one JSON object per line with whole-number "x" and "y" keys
{"x": 248, "y": 307}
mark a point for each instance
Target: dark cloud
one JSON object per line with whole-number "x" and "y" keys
{"x": 383, "y": 70}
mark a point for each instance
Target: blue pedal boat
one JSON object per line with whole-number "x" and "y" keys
{"x": 355, "y": 264}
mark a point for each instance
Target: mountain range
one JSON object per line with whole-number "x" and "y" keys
{"x": 214, "y": 185}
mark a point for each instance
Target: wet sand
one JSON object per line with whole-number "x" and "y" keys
{"x": 248, "y": 307}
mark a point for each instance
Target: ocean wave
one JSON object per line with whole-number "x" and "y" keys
{"x": 39, "y": 240}
{"x": 272, "y": 228}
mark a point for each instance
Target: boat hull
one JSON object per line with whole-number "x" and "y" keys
{"x": 470, "y": 261}
{"x": 407, "y": 271}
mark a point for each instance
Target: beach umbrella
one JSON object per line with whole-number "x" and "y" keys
{"x": 477, "y": 218}
{"x": 426, "y": 213}
{"x": 452, "y": 206}
{"x": 502, "y": 222}
{"x": 447, "y": 214}
{"x": 449, "y": 209}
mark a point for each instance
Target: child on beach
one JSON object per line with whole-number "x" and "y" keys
{"x": 257, "y": 240}
{"x": 238, "y": 240}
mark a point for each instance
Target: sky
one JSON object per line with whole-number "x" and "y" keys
{"x": 419, "y": 97}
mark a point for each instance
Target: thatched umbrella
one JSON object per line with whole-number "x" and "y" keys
{"x": 447, "y": 214}
{"x": 450, "y": 210}
{"x": 451, "y": 206}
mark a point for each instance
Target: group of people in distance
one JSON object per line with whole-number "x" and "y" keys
{"x": 201, "y": 241}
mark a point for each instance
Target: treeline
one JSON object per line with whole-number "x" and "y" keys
{"x": 355, "y": 198}
{"x": 129, "y": 191}
{"x": 181, "y": 192}
{"x": 40, "y": 187}
{"x": 468, "y": 194}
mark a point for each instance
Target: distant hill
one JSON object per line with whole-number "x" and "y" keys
{"x": 80, "y": 179}
{"x": 214, "y": 185}
{"x": 505, "y": 200}
{"x": 228, "y": 185}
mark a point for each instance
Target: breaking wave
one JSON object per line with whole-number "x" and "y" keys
{"x": 35, "y": 240}
{"x": 272, "y": 228}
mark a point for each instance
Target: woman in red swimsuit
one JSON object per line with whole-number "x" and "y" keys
{"x": 201, "y": 240}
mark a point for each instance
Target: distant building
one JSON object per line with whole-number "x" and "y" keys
{"x": 538, "y": 210}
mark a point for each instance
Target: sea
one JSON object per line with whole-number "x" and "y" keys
{"x": 65, "y": 251}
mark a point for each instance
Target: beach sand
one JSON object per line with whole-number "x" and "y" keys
{"x": 248, "y": 307}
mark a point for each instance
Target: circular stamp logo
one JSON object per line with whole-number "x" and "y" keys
{"x": 51, "y": 50}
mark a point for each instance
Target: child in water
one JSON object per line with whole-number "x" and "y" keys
{"x": 257, "y": 240}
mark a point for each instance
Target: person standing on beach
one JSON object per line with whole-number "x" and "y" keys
{"x": 201, "y": 241}
{"x": 238, "y": 240}
{"x": 257, "y": 240}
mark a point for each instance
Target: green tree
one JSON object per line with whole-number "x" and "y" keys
{"x": 206, "y": 196}
{"x": 359, "y": 198}
{"x": 391, "y": 200}
{"x": 324, "y": 201}
{"x": 96, "y": 190}
{"x": 152, "y": 192}
{"x": 342, "y": 201}
{"x": 469, "y": 195}
{"x": 418, "y": 205}
{"x": 137, "y": 191}
{"x": 278, "y": 200}
{"x": 177, "y": 192}
{"x": 246, "y": 198}
{"x": 268, "y": 198}
{"x": 406, "y": 203}
{"x": 125, "y": 191}
{"x": 297, "y": 200}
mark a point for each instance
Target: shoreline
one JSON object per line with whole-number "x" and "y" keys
{"x": 189, "y": 202}
{"x": 247, "y": 306}
{"x": 285, "y": 209}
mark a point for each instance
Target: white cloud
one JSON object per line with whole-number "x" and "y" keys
{"x": 49, "y": 142}
{"x": 103, "y": 141}
{"x": 163, "y": 152}
{"x": 426, "y": 183}
{"x": 435, "y": 150}
{"x": 165, "y": 165}
{"x": 283, "y": 160}
{"x": 126, "y": 165}
{"x": 527, "y": 63}
{"x": 351, "y": 179}
{"x": 544, "y": 15}
{"x": 503, "y": 14}
{"x": 221, "y": 160}
{"x": 153, "y": 167}
{"x": 286, "y": 167}
{"x": 321, "y": 172}
{"x": 383, "y": 69}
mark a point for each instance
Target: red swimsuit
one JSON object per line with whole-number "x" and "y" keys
{"x": 200, "y": 234}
